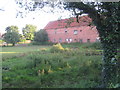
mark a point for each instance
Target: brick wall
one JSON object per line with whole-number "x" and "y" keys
{"x": 81, "y": 34}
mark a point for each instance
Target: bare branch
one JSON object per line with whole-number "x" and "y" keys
{"x": 77, "y": 14}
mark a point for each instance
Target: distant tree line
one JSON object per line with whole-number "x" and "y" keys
{"x": 29, "y": 32}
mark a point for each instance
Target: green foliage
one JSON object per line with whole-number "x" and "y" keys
{"x": 114, "y": 86}
{"x": 28, "y": 31}
{"x": 44, "y": 69}
{"x": 37, "y": 68}
{"x": 12, "y": 29}
{"x": 118, "y": 45}
{"x": 41, "y": 36}
{"x": 57, "y": 48}
{"x": 96, "y": 45}
{"x": 11, "y": 36}
{"x": 22, "y": 38}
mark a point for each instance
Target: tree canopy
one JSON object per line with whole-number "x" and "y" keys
{"x": 28, "y": 31}
{"x": 11, "y": 35}
{"x": 41, "y": 36}
{"x": 11, "y": 29}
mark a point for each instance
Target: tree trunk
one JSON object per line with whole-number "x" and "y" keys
{"x": 110, "y": 63}
{"x": 13, "y": 44}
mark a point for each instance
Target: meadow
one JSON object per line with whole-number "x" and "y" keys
{"x": 77, "y": 66}
{"x": 11, "y": 52}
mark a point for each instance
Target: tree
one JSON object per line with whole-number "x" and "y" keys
{"x": 22, "y": 38}
{"x": 105, "y": 16}
{"x": 41, "y": 36}
{"x": 11, "y": 29}
{"x": 28, "y": 31}
{"x": 11, "y": 35}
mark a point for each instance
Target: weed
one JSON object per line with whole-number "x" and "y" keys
{"x": 44, "y": 69}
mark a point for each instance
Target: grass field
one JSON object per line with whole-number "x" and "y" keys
{"x": 79, "y": 66}
{"x": 9, "y": 52}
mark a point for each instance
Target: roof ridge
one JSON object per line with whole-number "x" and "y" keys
{"x": 61, "y": 23}
{"x": 67, "y": 18}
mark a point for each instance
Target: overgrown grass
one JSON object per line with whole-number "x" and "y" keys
{"x": 16, "y": 51}
{"x": 96, "y": 45}
{"x": 44, "y": 69}
{"x": 37, "y": 67}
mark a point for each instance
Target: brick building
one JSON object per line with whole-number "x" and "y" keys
{"x": 68, "y": 30}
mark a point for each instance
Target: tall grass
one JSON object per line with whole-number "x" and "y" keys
{"x": 67, "y": 69}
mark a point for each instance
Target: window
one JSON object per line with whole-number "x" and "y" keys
{"x": 75, "y": 40}
{"x": 88, "y": 40}
{"x": 69, "y": 40}
{"x": 65, "y": 31}
{"x": 75, "y": 32}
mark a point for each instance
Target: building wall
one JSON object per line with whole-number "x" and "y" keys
{"x": 84, "y": 34}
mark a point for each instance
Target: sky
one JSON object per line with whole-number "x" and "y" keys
{"x": 8, "y": 10}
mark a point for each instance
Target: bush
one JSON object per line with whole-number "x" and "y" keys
{"x": 57, "y": 48}
{"x": 118, "y": 45}
{"x": 96, "y": 45}
{"x": 41, "y": 36}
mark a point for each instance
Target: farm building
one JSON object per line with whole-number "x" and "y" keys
{"x": 69, "y": 30}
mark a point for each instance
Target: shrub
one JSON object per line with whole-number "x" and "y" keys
{"x": 41, "y": 36}
{"x": 43, "y": 49}
{"x": 96, "y": 45}
{"x": 57, "y": 48}
{"x": 67, "y": 49}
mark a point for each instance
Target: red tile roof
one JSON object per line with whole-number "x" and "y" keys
{"x": 71, "y": 22}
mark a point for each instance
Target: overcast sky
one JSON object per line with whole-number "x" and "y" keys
{"x": 8, "y": 10}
